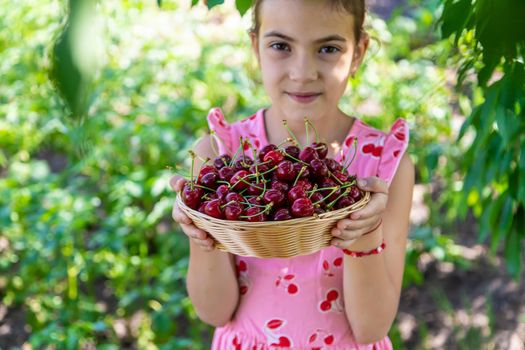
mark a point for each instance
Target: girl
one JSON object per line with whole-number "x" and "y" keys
{"x": 344, "y": 296}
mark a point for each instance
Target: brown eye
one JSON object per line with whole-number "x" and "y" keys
{"x": 280, "y": 47}
{"x": 329, "y": 49}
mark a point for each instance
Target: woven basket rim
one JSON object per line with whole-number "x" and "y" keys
{"x": 250, "y": 224}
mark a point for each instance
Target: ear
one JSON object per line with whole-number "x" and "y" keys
{"x": 359, "y": 53}
{"x": 255, "y": 46}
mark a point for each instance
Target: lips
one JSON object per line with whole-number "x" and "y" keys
{"x": 303, "y": 97}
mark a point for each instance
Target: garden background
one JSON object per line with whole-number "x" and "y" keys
{"x": 96, "y": 116}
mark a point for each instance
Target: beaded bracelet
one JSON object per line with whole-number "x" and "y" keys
{"x": 375, "y": 251}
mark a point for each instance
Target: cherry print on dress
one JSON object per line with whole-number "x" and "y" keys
{"x": 237, "y": 343}
{"x": 328, "y": 269}
{"x": 396, "y": 153}
{"x": 286, "y": 283}
{"x": 374, "y": 148}
{"x": 332, "y": 302}
{"x": 276, "y": 339}
{"x": 242, "y": 277}
{"x": 320, "y": 338}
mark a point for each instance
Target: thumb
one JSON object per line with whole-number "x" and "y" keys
{"x": 373, "y": 184}
{"x": 177, "y": 183}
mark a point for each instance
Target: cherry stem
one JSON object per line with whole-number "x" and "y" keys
{"x": 297, "y": 160}
{"x": 285, "y": 123}
{"x": 312, "y": 191}
{"x": 206, "y": 188}
{"x": 335, "y": 177}
{"x": 288, "y": 139}
{"x": 230, "y": 202}
{"x": 192, "y": 155}
{"x": 254, "y": 152}
{"x": 266, "y": 208}
{"x": 353, "y": 156}
{"x": 306, "y": 127}
{"x": 328, "y": 195}
{"x": 299, "y": 175}
{"x": 315, "y": 131}
{"x": 237, "y": 152}
{"x": 331, "y": 204}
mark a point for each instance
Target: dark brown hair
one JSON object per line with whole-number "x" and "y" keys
{"x": 356, "y": 8}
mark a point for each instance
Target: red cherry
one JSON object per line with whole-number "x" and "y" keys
{"x": 332, "y": 295}
{"x": 209, "y": 180}
{"x": 232, "y": 211}
{"x": 319, "y": 210}
{"x": 226, "y": 173}
{"x": 340, "y": 175}
{"x": 266, "y": 149}
{"x": 282, "y": 214}
{"x": 307, "y": 154}
{"x": 205, "y": 170}
{"x": 234, "y": 196}
{"x": 319, "y": 168}
{"x": 285, "y": 171}
{"x": 295, "y": 193}
{"x": 344, "y": 202}
{"x": 307, "y": 185}
{"x": 239, "y": 181}
{"x": 254, "y": 214}
{"x": 274, "y": 196}
{"x": 332, "y": 165}
{"x": 321, "y": 149}
{"x": 274, "y": 157}
{"x": 213, "y": 208}
{"x": 292, "y": 288}
{"x": 293, "y": 151}
{"x": 222, "y": 191}
{"x": 298, "y": 168}
{"x": 302, "y": 207}
{"x": 255, "y": 201}
{"x": 355, "y": 193}
{"x": 192, "y": 196}
{"x": 255, "y": 189}
{"x": 280, "y": 185}
{"x": 221, "y": 161}
{"x": 317, "y": 197}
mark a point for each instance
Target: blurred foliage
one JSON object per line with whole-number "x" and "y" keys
{"x": 490, "y": 38}
{"x": 88, "y": 250}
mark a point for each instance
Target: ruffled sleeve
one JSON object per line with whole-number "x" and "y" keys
{"x": 396, "y": 143}
{"x": 222, "y": 130}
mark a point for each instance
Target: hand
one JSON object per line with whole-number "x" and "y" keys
{"x": 198, "y": 236}
{"x": 366, "y": 219}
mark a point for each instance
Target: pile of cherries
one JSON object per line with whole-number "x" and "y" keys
{"x": 277, "y": 183}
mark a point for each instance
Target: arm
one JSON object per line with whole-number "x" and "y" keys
{"x": 211, "y": 280}
{"x": 372, "y": 284}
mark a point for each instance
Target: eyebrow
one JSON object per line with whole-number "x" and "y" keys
{"x": 334, "y": 37}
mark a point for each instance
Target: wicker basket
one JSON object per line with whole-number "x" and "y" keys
{"x": 272, "y": 239}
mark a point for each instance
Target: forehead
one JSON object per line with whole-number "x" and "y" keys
{"x": 305, "y": 19}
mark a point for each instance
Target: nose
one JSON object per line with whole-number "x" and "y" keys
{"x": 303, "y": 68}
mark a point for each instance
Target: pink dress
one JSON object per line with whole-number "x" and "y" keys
{"x": 297, "y": 302}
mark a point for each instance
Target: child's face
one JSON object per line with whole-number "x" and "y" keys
{"x": 307, "y": 52}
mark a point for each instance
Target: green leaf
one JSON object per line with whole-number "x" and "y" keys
{"x": 455, "y": 16}
{"x": 212, "y": 3}
{"x": 243, "y": 6}
{"x": 508, "y": 123}
{"x": 521, "y": 190}
{"x": 194, "y": 2}
{"x": 512, "y": 253}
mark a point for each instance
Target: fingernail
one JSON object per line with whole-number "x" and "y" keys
{"x": 361, "y": 182}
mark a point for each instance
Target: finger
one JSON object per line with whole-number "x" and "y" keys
{"x": 177, "y": 183}
{"x": 376, "y": 206}
{"x": 353, "y": 225}
{"x": 343, "y": 244}
{"x": 355, "y": 229}
{"x": 179, "y": 216}
{"x": 206, "y": 244}
{"x": 194, "y": 232}
{"x": 373, "y": 184}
